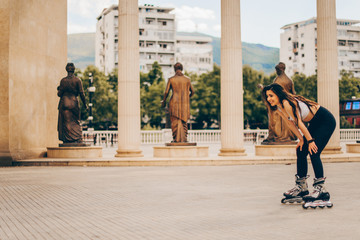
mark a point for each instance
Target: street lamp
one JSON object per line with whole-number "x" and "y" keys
{"x": 91, "y": 91}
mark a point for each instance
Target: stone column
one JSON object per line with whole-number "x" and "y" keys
{"x": 232, "y": 114}
{"x": 33, "y": 54}
{"x": 129, "y": 138}
{"x": 327, "y": 66}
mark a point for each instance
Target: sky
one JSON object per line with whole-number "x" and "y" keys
{"x": 261, "y": 20}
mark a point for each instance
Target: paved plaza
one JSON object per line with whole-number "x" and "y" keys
{"x": 206, "y": 202}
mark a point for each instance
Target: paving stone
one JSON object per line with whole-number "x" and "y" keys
{"x": 209, "y": 202}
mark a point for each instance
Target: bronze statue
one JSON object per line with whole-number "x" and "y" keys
{"x": 179, "y": 104}
{"x": 69, "y": 110}
{"x": 279, "y": 133}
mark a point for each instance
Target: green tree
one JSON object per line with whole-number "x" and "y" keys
{"x": 113, "y": 80}
{"x": 344, "y": 123}
{"x": 205, "y": 103}
{"x": 255, "y": 113}
{"x": 152, "y": 87}
{"x": 306, "y": 86}
{"x": 348, "y": 85}
{"x": 104, "y": 99}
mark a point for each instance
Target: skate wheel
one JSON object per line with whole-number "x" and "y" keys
{"x": 304, "y": 206}
{"x": 330, "y": 206}
{"x": 313, "y": 207}
{"x": 321, "y": 206}
{"x": 283, "y": 200}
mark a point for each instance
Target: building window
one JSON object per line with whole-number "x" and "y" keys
{"x": 356, "y": 105}
{"x": 302, "y": 55}
{"x": 341, "y": 43}
{"x": 289, "y": 39}
{"x": 289, "y": 58}
{"x": 348, "y": 106}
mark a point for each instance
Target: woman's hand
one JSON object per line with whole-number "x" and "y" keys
{"x": 312, "y": 148}
{"x": 300, "y": 144}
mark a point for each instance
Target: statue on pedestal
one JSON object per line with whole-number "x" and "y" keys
{"x": 179, "y": 104}
{"x": 279, "y": 133}
{"x": 69, "y": 127}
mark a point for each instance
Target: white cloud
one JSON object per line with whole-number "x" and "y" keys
{"x": 77, "y": 28}
{"x": 186, "y": 12}
{"x": 82, "y": 14}
{"x": 186, "y": 25}
{"x": 88, "y": 8}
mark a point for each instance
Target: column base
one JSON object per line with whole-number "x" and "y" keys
{"x": 128, "y": 153}
{"x": 332, "y": 150}
{"x": 228, "y": 152}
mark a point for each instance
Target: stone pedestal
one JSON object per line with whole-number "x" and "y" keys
{"x": 74, "y": 152}
{"x": 275, "y": 150}
{"x": 332, "y": 150}
{"x": 181, "y": 151}
{"x": 353, "y": 148}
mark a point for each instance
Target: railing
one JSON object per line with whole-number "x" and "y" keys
{"x": 349, "y": 135}
{"x": 199, "y": 136}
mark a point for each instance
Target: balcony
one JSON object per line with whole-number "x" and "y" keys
{"x": 157, "y": 15}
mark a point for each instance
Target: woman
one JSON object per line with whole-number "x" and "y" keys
{"x": 297, "y": 110}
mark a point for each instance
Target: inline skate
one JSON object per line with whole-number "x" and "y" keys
{"x": 296, "y": 194}
{"x": 319, "y": 197}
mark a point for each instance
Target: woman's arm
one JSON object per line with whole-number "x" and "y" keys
{"x": 291, "y": 124}
{"x": 300, "y": 125}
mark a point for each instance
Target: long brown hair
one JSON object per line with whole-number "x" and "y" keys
{"x": 291, "y": 98}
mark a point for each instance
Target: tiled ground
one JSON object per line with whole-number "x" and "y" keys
{"x": 228, "y": 202}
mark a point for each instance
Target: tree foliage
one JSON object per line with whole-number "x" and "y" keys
{"x": 205, "y": 103}
{"x": 104, "y": 99}
{"x": 306, "y": 86}
{"x": 152, "y": 87}
{"x": 348, "y": 86}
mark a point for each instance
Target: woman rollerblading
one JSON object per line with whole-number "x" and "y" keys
{"x": 297, "y": 110}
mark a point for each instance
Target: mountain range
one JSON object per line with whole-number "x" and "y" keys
{"x": 81, "y": 51}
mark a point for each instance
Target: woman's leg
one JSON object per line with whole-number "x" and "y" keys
{"x": 301, "y": 163}
{"x": 321, "y": 130}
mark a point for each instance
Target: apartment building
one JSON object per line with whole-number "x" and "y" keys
{"x": 298, "y": 46}
{"x": 195, "y": 53}
{"x": 157, "y": 42}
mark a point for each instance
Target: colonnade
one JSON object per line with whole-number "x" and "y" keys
{"x": 232, "y": 114}
{"x": 34, "y": 53}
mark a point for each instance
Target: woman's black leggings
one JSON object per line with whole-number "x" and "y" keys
{"x": 321, "y": 127}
